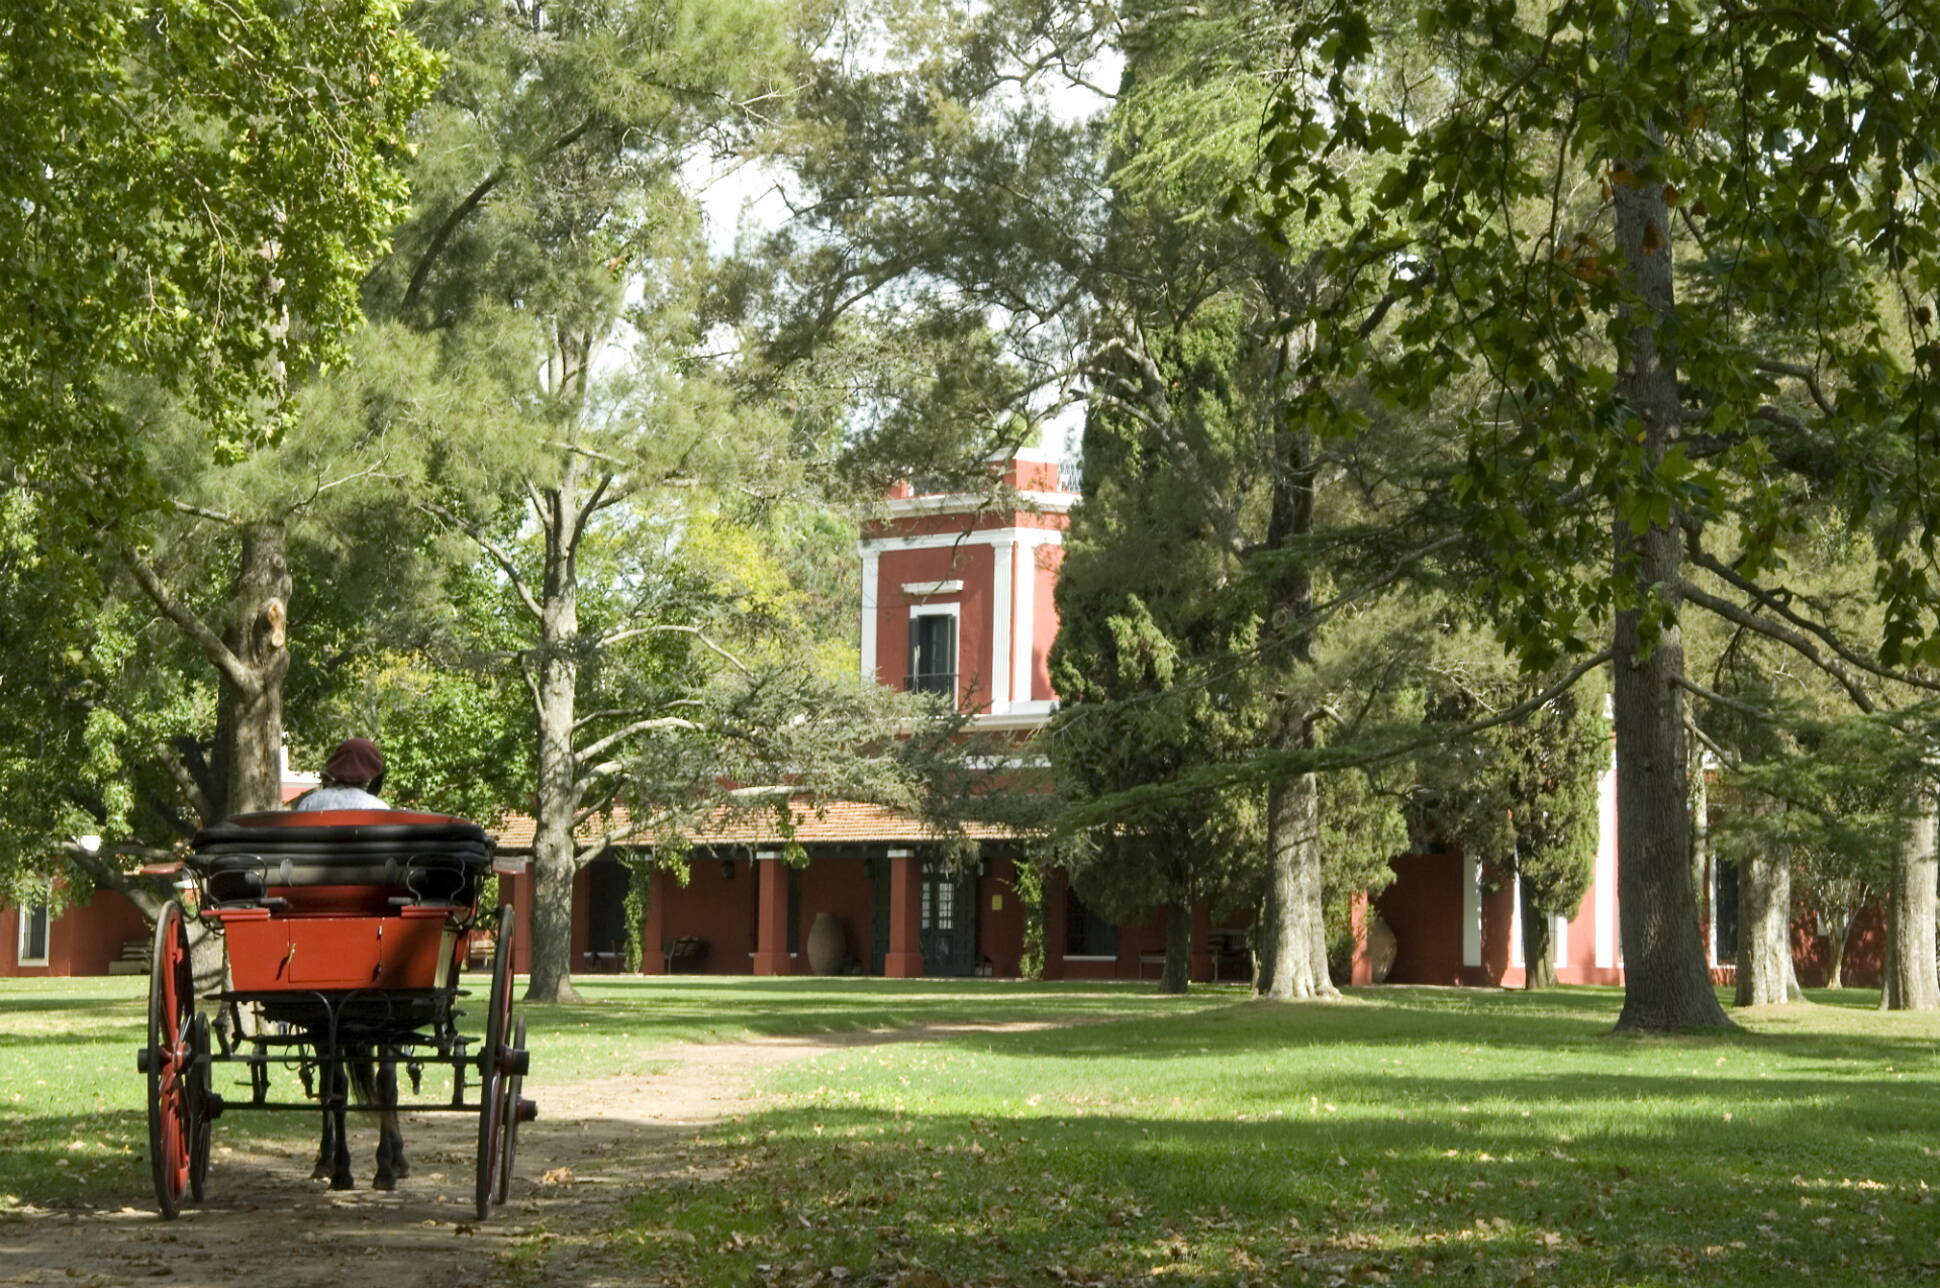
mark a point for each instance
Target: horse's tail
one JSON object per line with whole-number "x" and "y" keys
{"x": 362, "y": 1063}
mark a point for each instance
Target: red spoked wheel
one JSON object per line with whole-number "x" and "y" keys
{"x": 169, "y": 1060}
{"x": 500, "y": 1064}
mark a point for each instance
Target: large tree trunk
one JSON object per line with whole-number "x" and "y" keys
{"x": 1910, "y": 982}
{"x": 1294, "y": 947}
{"x": 1765, "y": 976}
{"x": 1295, "y": 961}
{"x": 1178, "y": 947}
{"x": 1538, "y": 943}
{"x": 251, "y": 657}
{"x": 556, "y": 689}
{"x": 249, "y": 716}
{"x": 1667, "y": 984}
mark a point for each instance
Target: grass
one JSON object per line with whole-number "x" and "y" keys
{"x": 73, "y": 1124}
{"x": 1406, "y": 1136}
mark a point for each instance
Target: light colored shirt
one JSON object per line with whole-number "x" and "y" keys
{"x": 338, "y": 797}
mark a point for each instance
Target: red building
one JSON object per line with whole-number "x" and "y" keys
{"x": 957, "y": 598}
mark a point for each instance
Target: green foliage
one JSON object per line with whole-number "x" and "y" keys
{"x": 1778, "y": 140}
{"x": 192, "y": 192}
{"x": 1838, "y": 798}
{"x": 1524, "y": 795}
{"x": 1028, "y": 883}
{"x": 639, "y": 889}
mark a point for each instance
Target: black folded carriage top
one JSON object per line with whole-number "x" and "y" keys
{"x": 434, "y": 857}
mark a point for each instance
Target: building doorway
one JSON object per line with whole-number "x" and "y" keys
{"x": 606, "y": 887}
{"x": 947, "y": 920}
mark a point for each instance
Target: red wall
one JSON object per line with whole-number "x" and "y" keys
{"x": 719, "y": 909}
{"x": 972, "y": 565}
{"x": 1865, "y": 950}
{"x": 83, "y": 940}
{"x": 1423, "y": 906}
{"x": 1044, "y": 619}
{"x": 840, "y": 884}
{"x": 1000, "y": 930}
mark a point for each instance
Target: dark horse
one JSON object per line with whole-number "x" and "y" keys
{"x": 371, "y": 1069}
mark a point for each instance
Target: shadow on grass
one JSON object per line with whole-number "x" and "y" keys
{"x": 1298, "y": 1201}
{"x": 1326, "y": 1145}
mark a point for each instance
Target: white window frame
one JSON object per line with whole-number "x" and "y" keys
{"x": 27, "y": 910}
{"x": 954, "y": 613}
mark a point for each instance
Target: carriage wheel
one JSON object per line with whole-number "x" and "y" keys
{"x": 169, "y": 1061}
{"x": 513, "y": 1086}
{"x": 201, "y": 1107}
{"x": 492, "y": 1071}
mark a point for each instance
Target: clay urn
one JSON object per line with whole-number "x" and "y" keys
{"x": 828, "y": 947}
{"x": 1380, "y": 948}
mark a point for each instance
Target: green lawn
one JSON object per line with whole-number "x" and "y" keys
{"x": 73, "y": 1124}
{"x": 1406, "y": 1136}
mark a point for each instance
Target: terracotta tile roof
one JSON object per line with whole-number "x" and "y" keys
{"x": 837, "y": 822}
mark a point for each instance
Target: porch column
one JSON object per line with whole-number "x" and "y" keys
{"x": 1201, "y": 969}
{"x": 771, "y": 915}
{"x": 904, "y": 960}
{"x": 1055, "y": 893}
{"x": 1360, "y": 968}
{"x": 653, "y": 935}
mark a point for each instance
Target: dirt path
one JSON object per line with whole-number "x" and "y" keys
{"x": 266, "y": 1221}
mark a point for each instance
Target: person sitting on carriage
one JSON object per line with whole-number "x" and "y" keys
{"x": 352, "y": 777}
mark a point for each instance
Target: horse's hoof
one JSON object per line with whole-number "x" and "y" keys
{"x": 343, "y": 1182}
{"x": 384, "y": 1181}
{"x": 321, "y": 1172}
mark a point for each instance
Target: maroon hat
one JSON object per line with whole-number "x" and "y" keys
{"x": 356, "y": 760}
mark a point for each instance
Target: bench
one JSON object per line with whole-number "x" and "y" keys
{"x": 134, "y": 958}
{"x": 692, "y": 951}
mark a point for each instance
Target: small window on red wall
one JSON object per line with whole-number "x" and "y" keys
{"x": 933, "y": 654}
{"x": 1086, "y": 934}
{"x": 33, "y": 935}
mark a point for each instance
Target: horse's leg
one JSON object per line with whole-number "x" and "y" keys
{"x": 327, "y": 1139}
{"x": 340, "y": 1173}
{"x": 391, "y": 1164}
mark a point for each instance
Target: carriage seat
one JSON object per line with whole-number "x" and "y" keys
{"x": 425, "y": 858}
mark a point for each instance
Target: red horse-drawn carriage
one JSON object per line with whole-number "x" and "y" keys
{"x": 345, "y": 931}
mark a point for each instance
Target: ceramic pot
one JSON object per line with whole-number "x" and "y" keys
{"x": 828, "y": 947}
{"x": 1380, "y": 948}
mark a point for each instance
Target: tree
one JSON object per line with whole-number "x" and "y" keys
{"x": 1525, "y": 794}
{"x": 1650, "y": 408}
{"x": 604, "y": 468}
{"x": 190, "y": 192}
{"x": 1123, "y": 722}
{"x": 1190, "y": 350}
{"x": 1815, "y": 780}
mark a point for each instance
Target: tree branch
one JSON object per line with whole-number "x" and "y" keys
{"x": 600, "y": 746}
{"x": 1725, "y": 572}
{"x": 1804, "y": 375}
{"x": 197, "y": 798}
{"x": 233, "y": 668}
{"x": 421, "y": 272}
{"x": 1798, "y": 641}
{"x": 634, "y": 632}
{"x": 492, "y": 550}
{"x": 204, "y": 512}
